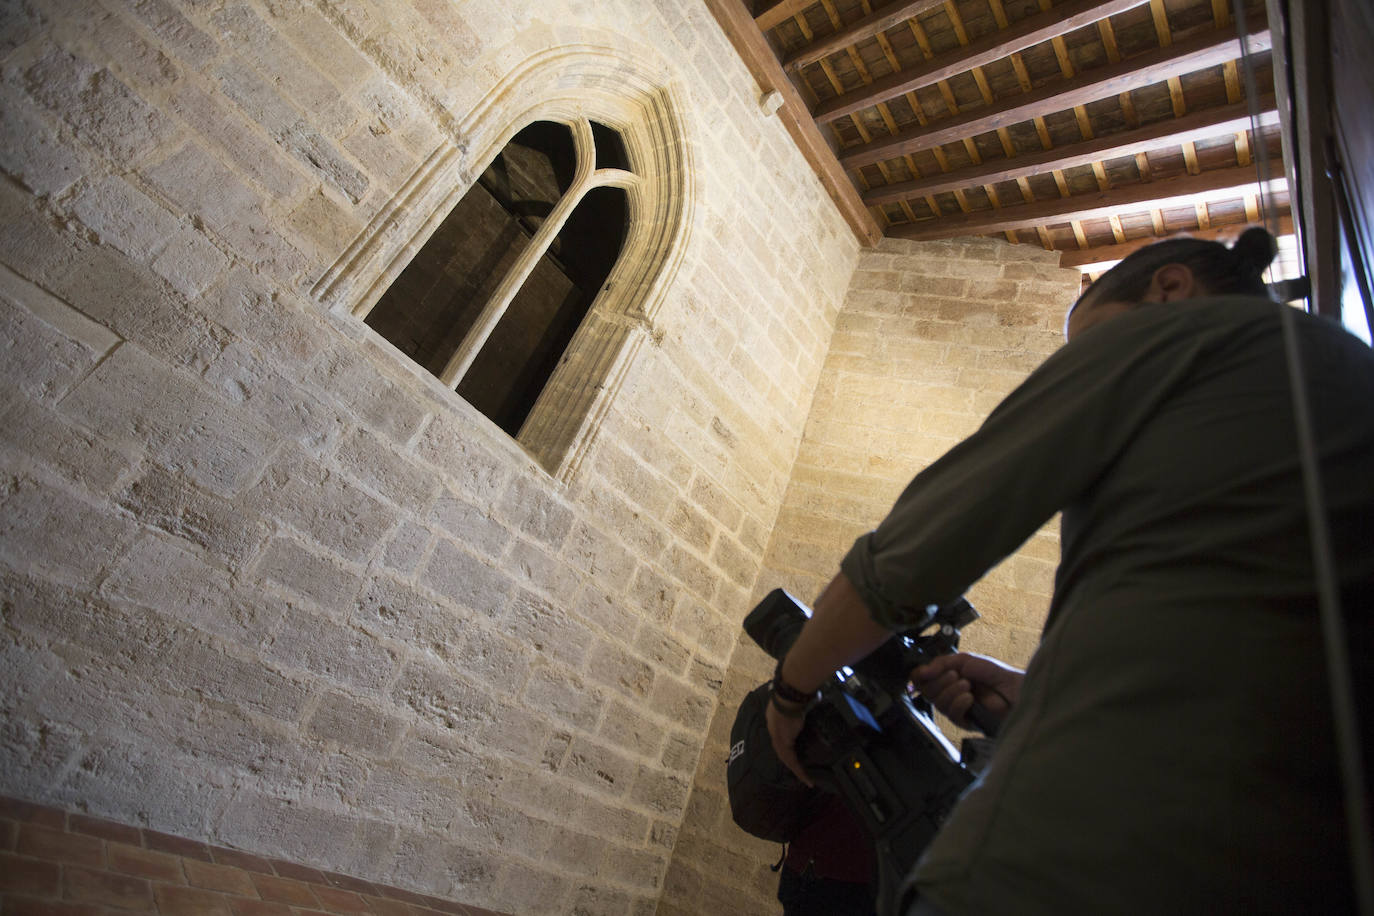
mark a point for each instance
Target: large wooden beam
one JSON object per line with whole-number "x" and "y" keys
{"x": 779, "y": 12}
{"x": 754, "y": 50}
{"x": 867, "y": 27}
{"x": 1106, "y": 254}
{"x": 1143, "y": 70}
{"x": 992, "y": 47}
{"x": 1219, "y": 184}
{"x": 1198, "y": 125}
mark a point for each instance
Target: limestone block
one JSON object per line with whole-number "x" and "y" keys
{"x": 182, "y": 39}
{"x": 323, "y": 505}
{"x": 50, "y": 529}
{"x": 626, "y": 729}
{"x": 190, "y": 262}
{"x": 679, "y": 701}
{"x": 322, "y": 579}
{"x": 175, "y": 505}
{"x": 394, "y": 610}
{"x": 194, "y": 179}
{"x": 494, "y": 658}
{"x": 354, "y": 381}
{"x": 353, "y": 724}
{"x": 37, "y": 358}
{"x": 601, "y": 558}
{"x": 316, "y": 643}
{"x": 160, "y": 575}
{"x": 563, "y": 695}
{"x": 611, "y": 664}
{"x": 205, "y": 665}
{"x": 534, "y": 510}
{"x": 288, "y": 128}
{"x": 32, "y": 154}
{"x": 407, "y": 546}
{"x": 533, "y": 621}
{"x": 441, "y": 699}
{"x": 103, "y": 111}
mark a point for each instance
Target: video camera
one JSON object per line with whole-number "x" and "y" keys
{"x": 868, "y": 740}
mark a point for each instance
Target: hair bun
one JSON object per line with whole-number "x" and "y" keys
{"x": 1255, "y": 249}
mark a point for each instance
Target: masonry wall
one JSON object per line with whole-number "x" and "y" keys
{"x": 265, "y": 585}
{"x": 931, "y": 337}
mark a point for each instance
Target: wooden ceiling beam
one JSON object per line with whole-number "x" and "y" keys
{"x": 1199, "y": 125}
{"x": 1143, "y": 70}
{"x": 994, "y": 46}
{"x": 779, "y": 12}
{"x": 1218, "y": 184}
{"x": 1105, "y": 254}
{"x": 753, "y": 48}
{"x": 867, "y": 27}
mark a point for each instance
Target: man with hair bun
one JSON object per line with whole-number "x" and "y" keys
{"x": 1170, "y": 748}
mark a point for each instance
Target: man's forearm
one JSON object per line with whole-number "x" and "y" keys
{"x": 840, "y": 632}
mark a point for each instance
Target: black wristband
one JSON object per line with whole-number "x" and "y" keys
{"x": 787, "y": 692}
{"x": 789, "y": 710}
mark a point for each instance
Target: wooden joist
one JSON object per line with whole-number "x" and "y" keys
{"x": 1199, "y": 125}
{"x": 778, "y": 13}
{"x": 1143, "y": 70}
{"x": 867, "y": 27}
{"x": 757, "y": 54}
{"x": 1219, "y": 184}
{"x": 992, "y": 47}
{"x": 1106, "y": 254}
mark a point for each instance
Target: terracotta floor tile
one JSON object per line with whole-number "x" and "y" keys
{"x": 241, "y": 860}
{"x": 243, "y": 906}
{"x": 20, "y": 875}
{"x": 145, "y": 863}
{"x": 32, "y": 906}
{"x": 106, "y": 830}
{"x": 224, "y": 878}
{"x": 56, "y": 846}
{"x": 173, "y": 900}
{"x": 18, "y": 810}
{"x": 187, "y": 849}
{"x": 284, "y": 890}
{"x": 337, "y": 900}
{"x": 299, "y": 872}
{"x": 9, "y": 834}
{"x": 86, "y": 885}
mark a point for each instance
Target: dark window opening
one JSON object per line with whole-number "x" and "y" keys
{"x": 430, "y": 308}
{"x": 610, "y": 149}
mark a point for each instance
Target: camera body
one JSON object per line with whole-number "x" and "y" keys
{"x": 869, "y": 741}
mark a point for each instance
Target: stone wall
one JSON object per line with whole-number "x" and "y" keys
{"x": 932, "y": 336}
{"x": 265, "y": 584}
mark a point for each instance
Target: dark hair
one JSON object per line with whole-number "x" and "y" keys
{"x": 1237, "y": 269}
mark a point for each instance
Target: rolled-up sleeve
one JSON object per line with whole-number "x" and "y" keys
{"x": 1038, "y": 450}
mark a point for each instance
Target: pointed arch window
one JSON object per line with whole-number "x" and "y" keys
{"x": 491, "y": 301}
{"x": 524, "y": 267}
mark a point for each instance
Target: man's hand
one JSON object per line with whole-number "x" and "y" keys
{"x": 953, "y": 683}
{"x": 783, "y": 730}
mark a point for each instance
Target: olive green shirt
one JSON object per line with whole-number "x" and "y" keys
{"x": 1171, "y": 751}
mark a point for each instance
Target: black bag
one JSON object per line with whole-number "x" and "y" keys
{"x": 766, "y": 798}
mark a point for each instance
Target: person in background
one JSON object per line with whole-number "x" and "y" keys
{"x": 1170, "y": 748}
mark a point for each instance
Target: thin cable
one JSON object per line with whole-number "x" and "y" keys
{"x": 1268, "y": 214}
{"x": 1345, "y": 716}
{"x": 1343, "y": 712}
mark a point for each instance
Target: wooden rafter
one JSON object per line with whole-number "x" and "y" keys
{"x": 994, "y": 46}
{"x": 1143, "y": 70}
{"x": 867, "y": 27}
{"x": 1217, "y": 184}
{"x": 754, "y": 50}
{"x": 1104, "y": 254}
{"x": 1199, "y": 125}
{"x": 778, "y": 13}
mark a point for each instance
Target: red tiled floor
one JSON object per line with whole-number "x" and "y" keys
{"x": 55, "y": 863}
